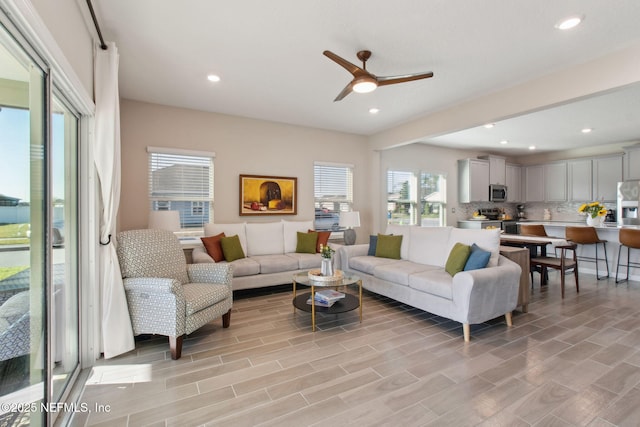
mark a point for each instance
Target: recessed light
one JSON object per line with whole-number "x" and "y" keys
{"x": 374, "y": 110}
{"x": 489, "y": 125}
{"x": 213, "y": 78}
{"x": 532, "y": 147}
{"x": 504, "y": 142}
{"x": 586, "y": 130}
{"x": 570, "y": 22}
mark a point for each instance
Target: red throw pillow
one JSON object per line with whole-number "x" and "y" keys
{"x": 213, "y": 247}
{"x": 323, "y": 238}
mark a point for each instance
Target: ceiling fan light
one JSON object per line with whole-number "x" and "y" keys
{"x": 570, "y": 22}
{"x": 365, "y": 85}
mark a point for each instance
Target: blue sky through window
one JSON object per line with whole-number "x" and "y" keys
{"x": 14, "y": 154}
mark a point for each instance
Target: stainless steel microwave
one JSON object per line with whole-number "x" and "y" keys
{"x": 497, "y": 193}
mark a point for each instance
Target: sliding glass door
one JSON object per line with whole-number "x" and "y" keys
{"x": 39, "y": 326}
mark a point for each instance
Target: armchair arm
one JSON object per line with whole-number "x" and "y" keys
{"x": 487, "y": 293}
{"x": 199, "y": 255}
{"x": 153, "y": 285}
{"x": 211, "y": 273}
{"x": 347, "y": 252}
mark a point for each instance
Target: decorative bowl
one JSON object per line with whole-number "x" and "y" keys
{"x": 316, "y": 276}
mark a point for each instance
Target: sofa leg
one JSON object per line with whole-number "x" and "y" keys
{"x": 175, "y": 343}
{"x": 507, "y": 317}
{"x": 226, "y": 319}
{"x": 466, "y": 330}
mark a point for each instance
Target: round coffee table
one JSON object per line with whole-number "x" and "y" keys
{"x": 348, "y": 303}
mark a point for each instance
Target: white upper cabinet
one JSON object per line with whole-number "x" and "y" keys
{"x": 534, "y": 183}
{"x": 473, "y": 180}
{"x": 555, "y": 178}
{"x": 632, "y": 162}
{"x": 580, "y": 178}
{"x": 497, "y": 169}
{"x": 607, "y": 172}
{"x": 514, "y": 183}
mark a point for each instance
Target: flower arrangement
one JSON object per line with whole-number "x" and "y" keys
{"x": 593, "y": 209}
{"x": 326, "y": 251}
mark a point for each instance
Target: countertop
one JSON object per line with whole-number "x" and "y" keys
{"x": 606, "y": 225}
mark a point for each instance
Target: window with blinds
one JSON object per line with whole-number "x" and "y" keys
{"x": 333, "y": 193}
{"x": 182, "y": 180}
{"x": 416, "y": 198}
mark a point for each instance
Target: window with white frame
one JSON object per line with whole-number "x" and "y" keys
{"x": 333, "y": 193}
{"x": 416, "y": 198}
{"x": 182, "y": 180}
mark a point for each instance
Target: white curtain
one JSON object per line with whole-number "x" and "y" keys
{"x": 117, "y": 333}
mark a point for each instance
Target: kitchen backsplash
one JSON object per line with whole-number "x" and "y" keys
{"x": 534, "y": 211}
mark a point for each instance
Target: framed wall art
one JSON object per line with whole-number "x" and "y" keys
{"x": 268, "y": 195}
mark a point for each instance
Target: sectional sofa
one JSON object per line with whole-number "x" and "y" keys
{"x": 270, "y": 249}
{"x": 419, "y": 278}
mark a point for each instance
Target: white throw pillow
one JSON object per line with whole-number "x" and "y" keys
{"x": 291, "y": 229}
{"x": 264, "y": 238}
{"x": 428, "y": 245}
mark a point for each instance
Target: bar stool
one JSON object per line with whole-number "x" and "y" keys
{"x": 533, "y": 230}
{"x": 588, "y": 236}
{"x": 631, "y": 239}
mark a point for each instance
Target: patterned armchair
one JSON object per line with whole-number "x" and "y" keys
{"x": 167, "y": 296}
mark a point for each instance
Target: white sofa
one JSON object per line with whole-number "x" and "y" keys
{"x": 419, "y": 278}
{"x": 270, "y": 249}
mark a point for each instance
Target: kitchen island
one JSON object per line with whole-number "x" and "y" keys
{"x": 608, "y": 232}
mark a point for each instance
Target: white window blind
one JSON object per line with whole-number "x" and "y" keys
{"x": 333, "y": 193}
{"x": 183, "y": 182}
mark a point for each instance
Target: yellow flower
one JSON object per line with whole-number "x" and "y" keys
{"x": 593, "y": 209}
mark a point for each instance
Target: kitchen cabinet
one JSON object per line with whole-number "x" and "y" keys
{"x": 580, "y": 180}
{"x": 555, "y": 182}
{"x": 473, "y": 180}
{"x": 607, "y": 172}
{"x": 514, "y": 183}
{"x": 497, "y": 169}
{"x": 534, "y": 183}
{"x": 632, "y": 162}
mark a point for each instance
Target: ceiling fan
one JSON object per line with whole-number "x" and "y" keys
{"x": 363, "y": 81}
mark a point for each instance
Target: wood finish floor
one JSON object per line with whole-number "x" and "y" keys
{"x": 571, "y": 362}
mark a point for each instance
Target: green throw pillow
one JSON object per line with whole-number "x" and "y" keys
{"x": 389, "y": 246}
{"x": 307, "y": 243}
{"x": 231, "y": 248}
{"x": 457, "y": 258}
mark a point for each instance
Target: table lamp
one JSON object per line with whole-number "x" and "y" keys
{"x": 164, "y": 220}
{"x": 349, "y": 220}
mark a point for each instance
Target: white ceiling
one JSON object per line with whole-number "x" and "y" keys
{"x": 269, "y": 56}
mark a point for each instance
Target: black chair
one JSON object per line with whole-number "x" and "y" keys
{"x": 561, "y": 263}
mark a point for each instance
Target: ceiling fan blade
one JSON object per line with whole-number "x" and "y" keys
{"x": 353, "y": 69}
{"x": 384, "y": 81}
{"x": 346, "y": 91}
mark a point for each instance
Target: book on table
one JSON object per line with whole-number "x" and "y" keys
{"x": 320, "y": 303}
{"x": 329, "y": 295}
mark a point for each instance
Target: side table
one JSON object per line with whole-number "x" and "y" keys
{"x": 348, "y": 303}
{"x": 521, "y": 257}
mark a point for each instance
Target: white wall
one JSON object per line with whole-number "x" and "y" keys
{"x": 425, "y": 158}
{"x": 65, "y": 20}
{"x": 242, "y": 146}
